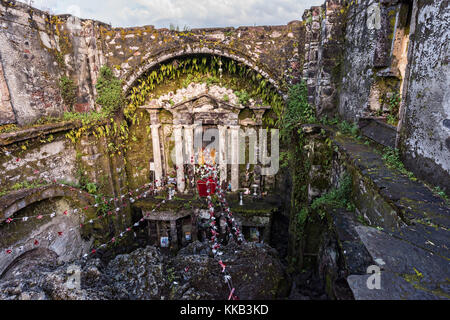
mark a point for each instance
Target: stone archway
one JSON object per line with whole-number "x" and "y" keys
{"x": 59, "y": 233}
{"x": 164, "y": 56}
{"x": 42, "y": 257}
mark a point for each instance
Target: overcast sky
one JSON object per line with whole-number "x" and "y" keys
{"x": 192, "y": 13}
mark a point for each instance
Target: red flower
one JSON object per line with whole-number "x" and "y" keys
{"x": 94, "y": 251}
{"x": 9, "y": 220}
{"x": 65, "y": 213}
{"x": 8, "y": 251}
{"x": 18, "y": 159}
{"x": 60, "y": 233}
{"x": 36, "y": 243}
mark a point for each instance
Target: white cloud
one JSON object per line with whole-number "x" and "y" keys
{"x": 193, "y": 13}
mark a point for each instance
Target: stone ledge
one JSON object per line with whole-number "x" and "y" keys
{"x": 423, "y": 218}
{"x": 407, "y": 271}
{"x": 17, "y": 200}
{"x": 37, "y": 131}
{"x": 413, "y": 254}
{"x": 378, "y": 131}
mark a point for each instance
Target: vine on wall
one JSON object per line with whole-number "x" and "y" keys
{"x": 208, "y": 69}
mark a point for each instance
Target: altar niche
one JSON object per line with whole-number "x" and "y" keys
{"x": 170, "y": 230}
{"x": 178, "y": 139}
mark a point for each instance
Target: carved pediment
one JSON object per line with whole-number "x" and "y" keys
{"x": 205, "y": 103}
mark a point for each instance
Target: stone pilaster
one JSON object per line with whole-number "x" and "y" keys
{"x": 223, "y": 159}
{"x": 179, "y": 160}
{"x": 189, "y": 143}
{"x": 157, "y": 153}
{"x": 234, "y": 157}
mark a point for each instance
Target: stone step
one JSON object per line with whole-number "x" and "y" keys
{"x": 404, "y": 208}
{"x": 408, "y": 236}
{"x": 407, "y": 271}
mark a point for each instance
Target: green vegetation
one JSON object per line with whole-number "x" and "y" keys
{"x": 109, "y": 90}
{"x": 298, "y": 111}
{"x": 23, "y": 185}
{"x": 442, "y": 194}
{"x": 8, "y": 128}
{"x": 336, "y": 198}
{"x": 204, "y": 69}
{"x": 394, "y": 108}
{"x": 392, "y": 158}
{"x": 349, "y": 128}
{"x": 86, "y": 118}
{"x": 68, "y": 91}
{"x": 243, "y": 97}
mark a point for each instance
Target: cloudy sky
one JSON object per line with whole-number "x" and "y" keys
{"x": 191, "y": 13}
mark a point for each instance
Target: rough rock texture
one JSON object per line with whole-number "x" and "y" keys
{"x": 360, "y": 45}
{"x": 146, "y": 274}
{"x": 138, "y": 275}
{"x": 6, "y": 109}
{"x": 255, "y": 270}
{"x": 425, "y": 133}
{"x": 41, "y": 161}
{"x": 324, "y": 45}
{"x": 20, "y": 237}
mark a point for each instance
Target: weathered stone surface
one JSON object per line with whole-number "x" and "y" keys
{"x": 36, "y": 131}
{"x": 356, "y": 256}
{"x": 408, "y": 272}
{"x": 6, "y": 111}
{"x": 49, "y": 161}
{"x": 255, "y": 270}
{"x": 138, "y": 275}
{"x": 66, "y": 45}
{"x": 378, "y": 131}
{"x": 60, "y": 234}
{"x": 423, "y": 134}
{"x": 146, "y": 274}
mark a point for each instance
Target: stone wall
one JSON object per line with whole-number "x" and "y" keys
{"x": 361, "y": 56}
{"x": 37, "y": 49}
{"x": 323, "y": 54}
{"x": 425, "y": 130}
{"x": 36, "y": 161}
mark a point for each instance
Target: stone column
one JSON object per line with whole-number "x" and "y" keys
{"x": 189, "y": 142}
{"x": 156, "y": 153}
{"x": 173, "y": 233}
{"x": 223, "y": 159}
{"x": 177, "y": 129}
{"x": 198, "y": 136}
{"x": 234, "y": 157}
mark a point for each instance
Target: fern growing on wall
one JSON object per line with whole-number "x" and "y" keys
{"x": 68, "y": 91}
{"x": 109, "y": 91}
